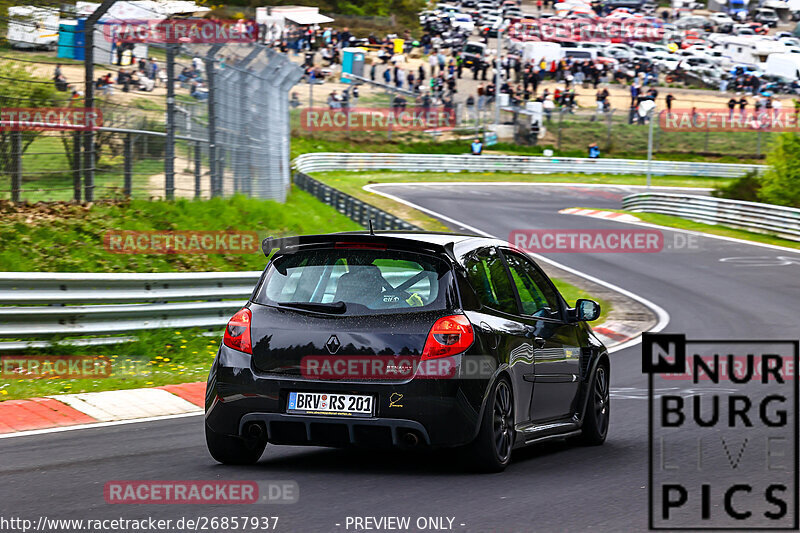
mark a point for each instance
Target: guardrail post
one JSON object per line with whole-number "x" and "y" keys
{"x": 169, "y": 149}
{"x": 88, "y": 98}
{"x": 128, "y": 162}
{"x": 197, "y": 170}
{"x": 77, "y": 165}
{"x": 212, "y": 128}
{"x": 16, "y": 165}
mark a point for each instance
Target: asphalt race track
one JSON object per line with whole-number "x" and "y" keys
{"x": 553, "y": 487}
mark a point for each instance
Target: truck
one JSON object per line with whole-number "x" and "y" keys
{"x": 33, "y": 27}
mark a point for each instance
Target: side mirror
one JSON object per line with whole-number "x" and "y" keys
{"x": 587, "y": 310}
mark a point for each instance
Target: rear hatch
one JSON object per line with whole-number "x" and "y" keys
{"x": 322, "y": 305}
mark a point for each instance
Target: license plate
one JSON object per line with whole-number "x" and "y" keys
{"x": 325, "y": 403}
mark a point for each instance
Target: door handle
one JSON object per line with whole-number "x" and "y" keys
{"x": 538, "y": 342}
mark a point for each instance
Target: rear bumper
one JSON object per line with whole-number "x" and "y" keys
{"x": 438, "y": 412}
{"x": 282, "y": 428}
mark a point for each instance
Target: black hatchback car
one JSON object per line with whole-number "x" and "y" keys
{"x": 405, "y": 340}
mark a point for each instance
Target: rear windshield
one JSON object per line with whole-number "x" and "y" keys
{"x": 366, "y": 281}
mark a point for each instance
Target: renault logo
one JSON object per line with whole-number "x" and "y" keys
{"x": 333, "y": 344}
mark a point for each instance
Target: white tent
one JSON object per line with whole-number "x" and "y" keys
{"x": 296, "y": 14}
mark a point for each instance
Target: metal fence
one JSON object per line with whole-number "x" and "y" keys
{"x": 621, "y": 130}
{"x": 40, "y": 304}
{"x": 751, "y": 216}
{"x": 324, "y": 161}
{"x": 350, "y": 206}
{"x": 221, "y": 130}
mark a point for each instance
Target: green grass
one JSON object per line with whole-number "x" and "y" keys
{"x": 47, "y": 175}
{"x": 148, "y": 104}
{"x": 69, "y": 238}
{"x": 160, "y": 357}
{"x": 571, "y": 293}
{"x": 682, "y": 223}
{"x": 353, "y": 183}
{"x": 630, "y": 141}
{"x": 34, "y": 55}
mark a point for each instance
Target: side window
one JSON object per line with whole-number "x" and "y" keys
{"x": 536, "y": 295}
{"x": 487, "y": 275}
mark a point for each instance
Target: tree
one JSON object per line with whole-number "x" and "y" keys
{"x": 18, "y": 88}
{"x": 781, "y": 182}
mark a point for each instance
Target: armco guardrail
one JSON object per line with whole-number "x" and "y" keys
{"x": 351, "y": 206}
{"x": 752, "y": 216}
{"x": 325, "y": 161}
{"x": 34, "y": 304}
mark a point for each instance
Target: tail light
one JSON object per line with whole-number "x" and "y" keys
{"x": 237, "y": 334}
{"x": 450, "y": 335}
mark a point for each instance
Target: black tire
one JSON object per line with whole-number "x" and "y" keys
{"x": 491, "y": 449}
{"x": 230, "y": 450}
{"x": 598, "y": 408}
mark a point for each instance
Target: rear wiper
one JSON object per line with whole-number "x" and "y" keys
{"x": 333, "y": 307}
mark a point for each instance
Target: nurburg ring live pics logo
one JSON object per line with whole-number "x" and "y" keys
{"x": 723, "y": 431}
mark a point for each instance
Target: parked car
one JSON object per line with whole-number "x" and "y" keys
{"x": 667, "y": 61}
{"x": 720, "y": 18}
{"x": 692, "y": 22}
{"x": 767, "y": 17}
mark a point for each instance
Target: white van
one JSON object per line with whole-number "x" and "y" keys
{"x": 33, "y": 27}
{"x": 538, "y": 50}
{"x": 784, "y": 65}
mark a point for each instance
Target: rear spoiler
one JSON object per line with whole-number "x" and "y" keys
{"x": 392, "y": 239}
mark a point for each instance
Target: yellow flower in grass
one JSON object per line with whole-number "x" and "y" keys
{"x": 3, "y": 392}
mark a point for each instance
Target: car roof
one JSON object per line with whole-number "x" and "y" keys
{"x": 436, "y": 242}
{"x": 437, "y": 239}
